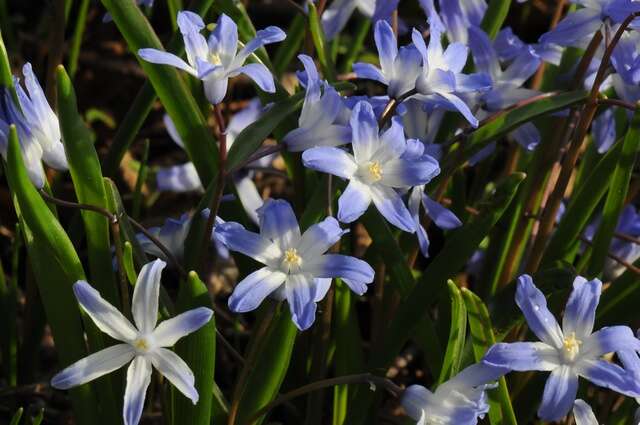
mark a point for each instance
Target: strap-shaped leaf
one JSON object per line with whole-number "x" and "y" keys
{"x": 457, "y": 334}
{"x": 618, "y": 188}
{"x": 198, "y": 350}
{"x": 494, "y": 17}
{"x": 57, "y": 267}
{"x": 482, "y": 337}
{"x": 89, "y": 187}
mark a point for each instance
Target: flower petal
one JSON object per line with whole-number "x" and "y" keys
{"x": 93, "y": 366}
{"x": 364, "y": 127}
{"x": 580, "y": 313}
{"x": 523, "y": 356}
{"x": 608, "y": 340}
{"x": 279, "y": 224}
{"x": 165, "y": 58}
{"x": 484, "y": 55}
{"x": 583, "y": 414}
{"x": 335, "y": 17}
{"x": 319, "y": 237}
{"x": 353, "y": 270}
{"x": 559, "y": 394}
{"x": 144, "y": 305}
{"x": 353, "y": 202}
{"x": 179, "y": 178}
{"x": 462, "y": 107}
{"x": 300, "y": 292}
{"x": 442, "y": 217}
{"x": 534, "y": 307}
{"x": 172, "y": 367}
{"x": 391, "y": 206}
{"x": 254, "y": 288}
{"x": 106, "y": 317}
{"x": 367, "y": 71}
{"x": 387, "y": 46}
{"x": 264, "y": 36}
{"x": 138, "y": 379}
{"x": 260, "y": 74}
{"x": 171, "y": 330}
{"x": 527, "y": 136}
{"x": 414, "y": 400}
{"x": 225, "y": 38}
{"x": 609, "y": 375}
{"x": 401, "y": 173}
{"x": 248, "y": 195}
{"x": 215, "y": 89}
{"x": 574, "y": 28}
{"x": 330, "y": 160}
{"x": 253, "y": 245}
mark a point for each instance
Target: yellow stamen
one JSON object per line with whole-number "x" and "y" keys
{"x": 141, "y": 344}
{"x": 291, "y": 257}
{"x": 571, "y": 346}
{"x": 214, "y": 58}
{"x": 375, "y": 170}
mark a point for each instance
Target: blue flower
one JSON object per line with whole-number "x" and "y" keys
{"x": 508, "y": 46}
{"x": 375, "y": 170}
{"x": 184, "y": 177}
{"x": 442, "y": 217}
{"x": 628, "y": 224}
{"x": 457, "y": 16}
{"x": 322, "y": 121}
{"x": 335, "y": 17}
{"x": 37, "y": 126}
{"x": 460, "y": 401}
{"x": 583, "y": 414}
{"x": 218, "y": 59}
{"x": 578, "y": 27}
{"x": 173, "y": 235}
{"x": 399, "y": 68}
{"x": 296, "y": 267}
{"x": 506, "y": 85}
{"x": 421, "y": 121}
{"x": 441, "y": 80}
{"x": 144, "y": 344}
{"x": 568, "y": 352}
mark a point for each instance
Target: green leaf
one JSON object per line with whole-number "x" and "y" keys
{"x": 86, "y": 174}
{"x": 494, "y": 17}
{"x": 457, "y": 334}
{"x": 319, "y": 41}
{"x": 129, "y": 268}
{"x": 580, "y": 209}
{"x": 198, "y": 350}
{"x": 15, "y": 420}
{"x": 510, "y": 120}
{"x": 362, "y": 30}
{"x": 57, "y": 267}
{"x": 169, "y": 87}
{"x": 268, "y": 371}
{"x": 482, "y": 337}
{"x": 412, "y": 310}
{"x": 8, "y": 318}
{"x": 348, "y": 356}
{"x": 614, "y": 204}
{"x": 39, "y": 418}
{"x": 288, "y": 48}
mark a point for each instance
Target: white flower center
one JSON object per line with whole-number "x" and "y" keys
{"x": 142, "y": 345}
{"x": 571, "y": 346}
{"x": 291, "y": 260}
{"x": 371, "y": 172}
{"x": 214, "y": 58}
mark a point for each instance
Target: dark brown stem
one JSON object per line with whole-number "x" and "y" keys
{"x": 617, "y": 102}
{"x": 364, "y": 378}
{"x": 122, "y": 276}
{"x": 616, "y": 258}
{"x": 571, "y": 157}
{"x": 114, "y": 220}
{"x": 220, "y": 183}
{"x": 260, "y": 153}
{"x": 390, "y": 109}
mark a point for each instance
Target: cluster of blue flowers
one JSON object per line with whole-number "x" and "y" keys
{"x": 384, "y": 159}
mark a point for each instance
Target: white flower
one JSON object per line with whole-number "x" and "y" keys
{"x": 143, "y": 344}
